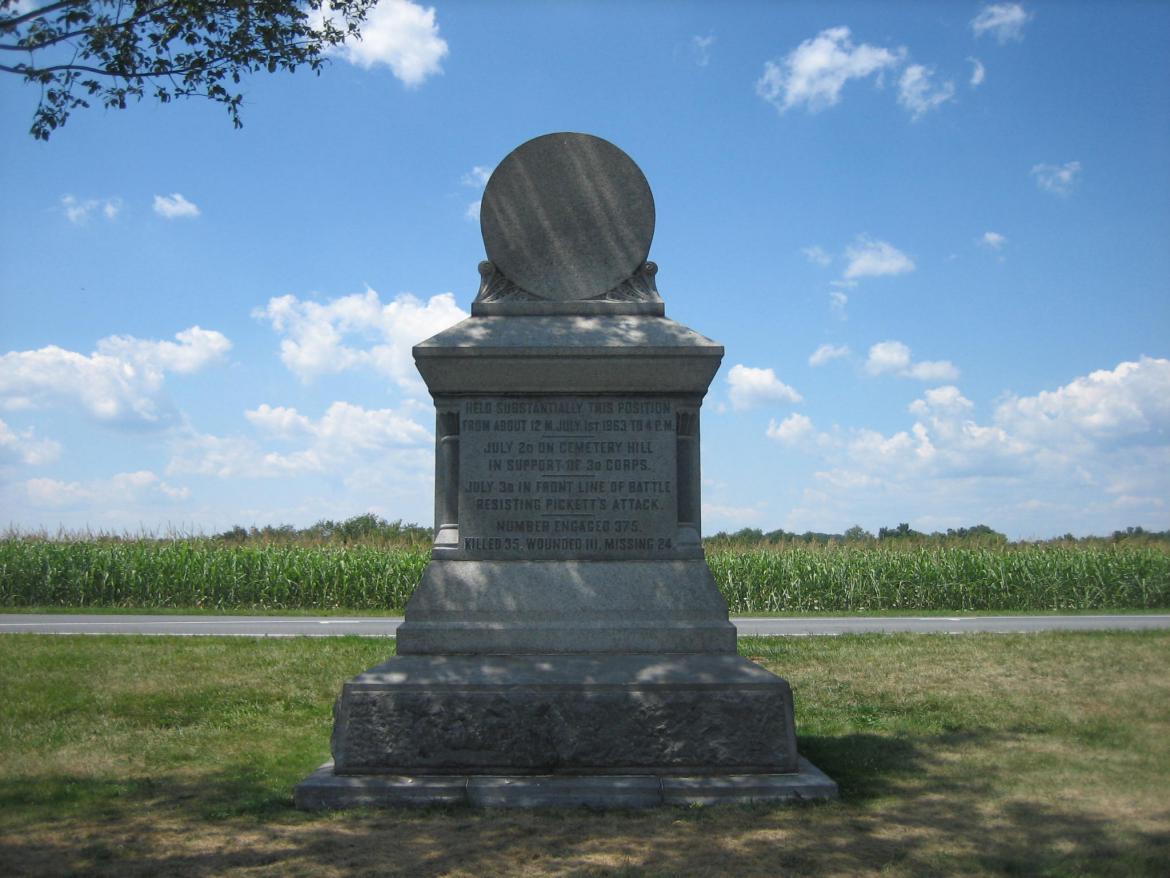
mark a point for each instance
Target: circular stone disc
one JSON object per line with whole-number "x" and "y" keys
{"x": 567, "y": 216}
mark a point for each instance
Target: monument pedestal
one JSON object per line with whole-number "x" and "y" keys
{"x": 679, "y": 714}
{"x": 634, "y": 730}
{"x": 519, "y": 607}
{"x": 567, "y": 643}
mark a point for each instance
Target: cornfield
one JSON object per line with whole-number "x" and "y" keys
{"x": 876, "y": 578}
{"x": 213, "y": 575}
{"x": 207, "y": 575}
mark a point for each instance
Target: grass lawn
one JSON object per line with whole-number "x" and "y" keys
{"x": 984, "y": 754}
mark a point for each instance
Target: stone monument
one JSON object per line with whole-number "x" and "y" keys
{"x": 567, "y": 643}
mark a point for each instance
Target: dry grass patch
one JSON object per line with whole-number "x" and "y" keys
{"x": 982, "y": 754}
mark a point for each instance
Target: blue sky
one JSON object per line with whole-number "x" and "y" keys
{"x": 934, "y": 239}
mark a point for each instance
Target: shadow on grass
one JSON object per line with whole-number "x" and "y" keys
{"x": 907, "y": 806}
{"x": 235, "y": 792}
{"x": 925, "y": 814}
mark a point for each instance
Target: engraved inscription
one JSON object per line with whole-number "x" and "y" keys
{"x": 568, "y": 477}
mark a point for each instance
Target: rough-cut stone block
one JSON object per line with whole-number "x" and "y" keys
{"x": 621, "y": 714}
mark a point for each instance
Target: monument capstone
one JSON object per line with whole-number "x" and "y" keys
{"x": 567, "y": 643}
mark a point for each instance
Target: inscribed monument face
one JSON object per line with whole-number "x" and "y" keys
{"x": 568, "y": 477}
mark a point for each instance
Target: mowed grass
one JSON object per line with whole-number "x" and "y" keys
{"x": 877, "y": 578}
{"x": 1039, "y": 754}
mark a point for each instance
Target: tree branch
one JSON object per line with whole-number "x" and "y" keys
{"x": 116, "y": 74}
{"x": 121, "y": 48}
{"x": 33, "y": 14}
{"x": 90, "y": 29}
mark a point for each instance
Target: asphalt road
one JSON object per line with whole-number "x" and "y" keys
{"x": 317, "y": 626}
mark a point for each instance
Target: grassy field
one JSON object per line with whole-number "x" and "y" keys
{"x": 1042, "y": 754}
{"x": 214, "y": 575}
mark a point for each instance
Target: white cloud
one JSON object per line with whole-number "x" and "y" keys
{"x": 722, "y": 512}
{"x": 400, "y": 35}
{"x": 1102, "y": 408}
{"x": 887, "y": 356}
{"x": 1004, "y": 20}
{"x": 893, "y": 357}
{"x": 933, "y": 370}
{"x": 279, "y": 422}
{"x": 174, "y": 206}
{"x": 793, "y": 429}
{"x": 751, "y": 387}
{"x": 315, "y": 334}
{"x": 51, "y": 492}
{"x": 873, "y": 450}
{"x": 918, "y": 94}
{"x": 346, "y": 440}
{"x": 133, "y": 487}
{"x": 1092, "y": 455}
{"x": 25, "y": 447}
{"x": 1020, "y": 439}
{"x": 846, "y": 479}
{"x": 233, "y": 457}
{"x": 119, "y": 382}
{"x": 1059, "y": 179}
{"x": 195, "y": 349}
{"x": 78, "y": 210}
{"x": 477, "y": 177}
{"x": 837, "y": 302}
{"x": 816, "y": 255}
{"x": 869, "y": 257}
{"x": 827, "y": 352}
{"x": 701, "y": 49}
{"x": 347, "y": 429}
{"x": 993, "y": 240}
{"x": 815, "y": 72}
{"x": 941, "y": 399}
{"x": 978, "y": 72}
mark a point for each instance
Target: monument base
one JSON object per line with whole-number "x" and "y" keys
{"x": 628, "y": 714}
{"x": 567, "y": 606}
{"x": 627, "y": 730}
{"x": 325, "y": 790}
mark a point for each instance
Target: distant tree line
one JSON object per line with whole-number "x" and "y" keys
{"x": 372, "y": 530}
{"x": 979, "y": 534}
{"x": 367, "y": 529}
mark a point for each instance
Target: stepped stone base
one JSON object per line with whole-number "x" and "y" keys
{"x": 680, "y": 714}
{"x": 326, "y": 790}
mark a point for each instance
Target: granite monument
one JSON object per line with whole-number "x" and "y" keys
{"x": 567, "y": 643}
